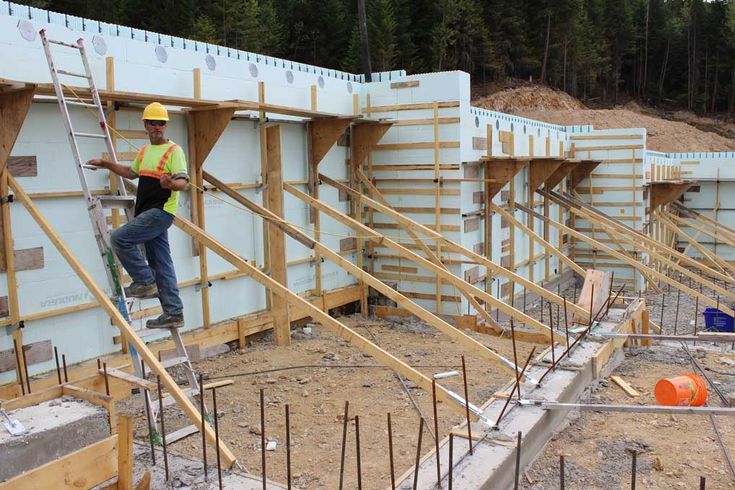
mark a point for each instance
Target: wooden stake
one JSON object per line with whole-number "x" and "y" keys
{"x": 124, "y": 452}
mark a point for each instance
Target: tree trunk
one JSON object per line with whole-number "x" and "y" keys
{"x": 546, "y": 48}
{"x": 645, "y": 52}
{"x": 662, "y": 78}
{"x": 564, "y": 75}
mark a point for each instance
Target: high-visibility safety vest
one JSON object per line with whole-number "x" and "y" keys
{"x": 152, "y": 162}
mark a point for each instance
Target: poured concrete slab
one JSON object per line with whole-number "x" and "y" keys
{"x": 54, "y": 428}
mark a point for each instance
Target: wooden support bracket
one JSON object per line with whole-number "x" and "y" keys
{"x": 564, "y": 170}
{"x": 662, "y": 193}
{"x": 502, "y": 170}
{"x": 581, "y": 171}
{"x": 539, "y": 170}
{"x": 14, "y": 105}
{"x": 364, "y": 138}
{"x": 323, "y": 134}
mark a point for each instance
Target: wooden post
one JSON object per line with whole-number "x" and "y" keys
{"x": 277, "y": 243}
{"x": 13, "y": 305}
{"x": 124, "y": 452}
{"x": 197, "y": 82}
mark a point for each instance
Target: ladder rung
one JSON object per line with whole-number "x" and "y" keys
{"x": 91, "y": 135}
{"x": 80, "y": 104}
{"x": 62, "y": 43}
{"x": 116, "y": 201}
{"x": 174, "y": 361}
{"x": 71, "y": 74}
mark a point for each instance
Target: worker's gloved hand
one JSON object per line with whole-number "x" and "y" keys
{"x": 97, "y": 162}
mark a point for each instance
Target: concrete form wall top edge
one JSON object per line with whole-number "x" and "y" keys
{"x": 25, "y": 12}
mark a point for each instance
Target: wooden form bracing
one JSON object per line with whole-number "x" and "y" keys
{"x": 581, "y": 171}
{"x": 640, "y": 240}
{"x": 333, "y": 325}
{"x": 119, "y": 321}
{"x": 563, "y": 171}
{"x": 364, "y": 138}
{"x": 664, "y": 192}
{"x": 375, "y": 192}
{"x": 502, "y": 170}
{"x": 426, "y": 264}
{"x": 720, "y": 230}
{"x": 323, "y": 135}
{"x": 539, "y": 171}
{"x": 408, "y": 223}
{"x": 277, "y": 222}
{"x": 633, "y": 263}
{"x": 721, "y": 264}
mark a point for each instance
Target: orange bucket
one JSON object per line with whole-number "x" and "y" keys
{"x": 682, "y": 391}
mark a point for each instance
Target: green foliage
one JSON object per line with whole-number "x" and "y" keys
{"x": 664, "y": 51}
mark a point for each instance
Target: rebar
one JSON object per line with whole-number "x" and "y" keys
{"x": 357, "y": 452}
{"x": 25, "y": 367}
{"x": 148, "y": 417}
{"x": 216, "y": 439}
{"x": 390, "y": 453}
{"x": 344, "y": 443}
{"x": 633, "y": 471}
{"x": 202, "y": 428}
{"x": 451, "y": 460}
{"x": 436, "y": 431}
{"x": 63, "y": 363}
{"x": 515, "y": 357}
{"x": 467, "y": 405}
{"x": 107, "y": 380}
{"x": 518, "y": 461}
{"x": 676, "y": 314}
{"x": 17, "y": 367}
{"x": 262, "y": 437}
{"x": 418, "y": 455}
{"x": 551, "y": 338}
{"x": 288, "y": 448}
{"x": 561, "y": 472}
{"x": 515, "y": 387}
{"x": 58, "y": 368}
{"x": 163, "y": 426}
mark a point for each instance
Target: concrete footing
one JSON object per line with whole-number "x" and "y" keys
{"x": 54, "y": 428}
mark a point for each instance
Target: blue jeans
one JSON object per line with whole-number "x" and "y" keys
{"x": 151, "y": 229}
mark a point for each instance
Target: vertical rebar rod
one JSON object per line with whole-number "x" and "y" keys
{"x": 696, "y": 316}
{"x": 574, "y": 295}
{"x": 467, "y": 405}
{"x": 561, "y": 472}
{"x": 288, "y": 448}
{"x": 63, "y": 364}
{"x": 262, "y": 437}
{"x": 566, "y": 321}
{"x": 163, "y": 426}
{"x": 524, "y": 300}
{"x": 676, "y": 314}
{"x": 357, "y": 452}
{"x": 663, "y": 303}
{"x": 107, "y": 380}
{"x": 497, "y": 310}
{"x": 551, "y": 338}
{"x": 17, "y": 367}
{"x": 451, "y": 460}
{"x": 344, "y": 445}
{"x": 202, "y": 429}
{"x": 418, "y": 455}
{"x": 515, "y": 387}
{"x": 58, "y": 368}
{"x": 390, "y": 454}
{"x": 518, "y": 461}
{"x": 542, "y": 304}
{"x": 148, "y": 416}
{"x": 436, "y": 434}
{"x": 633, "y": 471}
{"x": 25, "y": 367}
{"x": 592, "y": 303}
{"x": 216, "y": 439}
{"x": 702, "y": 483}
{"x": 515, "y": 357}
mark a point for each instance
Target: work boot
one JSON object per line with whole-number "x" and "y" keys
{"x": 137, "y": 290}
{"x": 166, "y": 321}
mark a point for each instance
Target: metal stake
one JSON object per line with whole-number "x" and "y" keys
{"x": 107, "y": 381}
{"x": 63, "y": 363}
{"x": 390, "y": 453}
{"x": 436, "y": 432}
{"x": 163, "y": 426}
{"x": 357, "y": 452}
{"x": 216, "y": 439}
{"x": 262, "y": 436}
{"x": 344, "y": 443}
{"x": 288, "y": 448}
{"x": 418, "y": 455}
{"x": 518, "y": 461}
{"x": 148, "y": 416}
{"x": 561, "y": 472}
{"x": 58, "y": 369}
{"x": 467, "y": 406}
{"x": 202, "y": 428}
{"x": 17, "y": 366}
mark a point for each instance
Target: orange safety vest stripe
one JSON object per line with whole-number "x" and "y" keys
{"x": 161, "y": 163}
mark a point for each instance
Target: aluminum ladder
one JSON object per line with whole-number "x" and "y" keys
{"x": 96, "y": 206}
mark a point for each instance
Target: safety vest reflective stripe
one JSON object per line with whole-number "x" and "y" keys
{"x": 140, "y": 154}
{"x": 164, "y": 159}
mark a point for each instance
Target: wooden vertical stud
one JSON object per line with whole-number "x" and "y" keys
{"x": 124, "y": 452}
{"x": 13, "y": 305}
{"x": 314, "y": 100}
{"x": 276, "y": 240}
{"x": 197, "y": 82}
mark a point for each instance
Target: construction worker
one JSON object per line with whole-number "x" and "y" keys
{"x": 160, "y": 168}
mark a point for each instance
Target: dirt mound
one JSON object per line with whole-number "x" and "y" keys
{"x": 533, "y": 98}
{"x": 663, "y": 135}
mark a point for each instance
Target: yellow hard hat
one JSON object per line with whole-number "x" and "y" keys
{"x": 155, "y": 112}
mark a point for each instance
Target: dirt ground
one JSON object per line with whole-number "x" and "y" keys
{"x": 334, "y": 372}
{"x": 319, "y": 372}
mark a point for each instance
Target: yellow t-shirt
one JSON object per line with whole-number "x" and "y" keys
{"x": 152, "y": 162}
